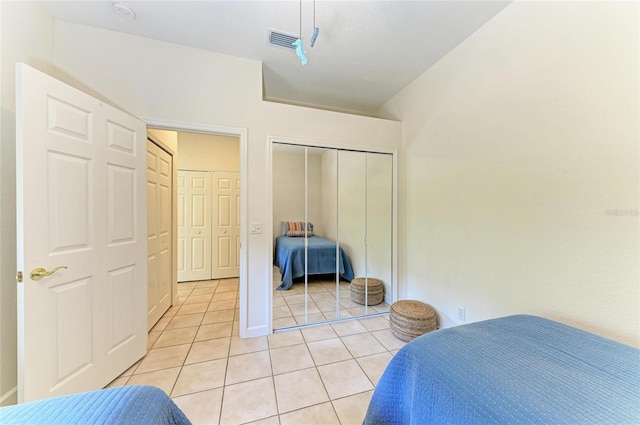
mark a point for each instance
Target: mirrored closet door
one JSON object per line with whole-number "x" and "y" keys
{"x": 333, "y": 234}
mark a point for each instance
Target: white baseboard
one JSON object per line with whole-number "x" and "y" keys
{"x": 257, "y": 331}
{"x": 10, "y": 397}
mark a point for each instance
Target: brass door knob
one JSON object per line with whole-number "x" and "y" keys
{"x": 39, "y": 272}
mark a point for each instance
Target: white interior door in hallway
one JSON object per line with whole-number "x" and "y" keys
{"x": 194, "y": 225}
{"x": 81, "y": 245}
{"x": 159, "y": 240}
{"x": 208, "y": 225}
{"x": 226, "y": 225}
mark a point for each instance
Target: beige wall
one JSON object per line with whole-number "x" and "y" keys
{"x": 208, "y": 152}
{"x": 169, "y": 138}
{"x": 520, "y": 170}
{"x": 26, "y": 34}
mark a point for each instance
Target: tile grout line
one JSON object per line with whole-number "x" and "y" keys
{"x": 226, "y": 369}
{"x": 273, "y": 383}
{"x": 323, "y": 383}
{"x": 188, "y": 351}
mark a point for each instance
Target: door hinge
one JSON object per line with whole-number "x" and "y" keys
{"x": 19, "y": 277}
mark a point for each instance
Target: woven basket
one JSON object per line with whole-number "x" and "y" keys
{"x": 374, "y": 291}
{"x": 409, "y": 319}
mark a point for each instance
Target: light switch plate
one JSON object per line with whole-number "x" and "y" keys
{"x": 256, "y": 227}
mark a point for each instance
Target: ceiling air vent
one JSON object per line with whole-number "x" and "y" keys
{"x": 280, "y": 39}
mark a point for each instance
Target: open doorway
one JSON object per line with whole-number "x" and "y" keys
{"x": 208, "y": 206}
{"x": 215, "y": 152}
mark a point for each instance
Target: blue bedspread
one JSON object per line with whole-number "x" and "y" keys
{"x": 514, "y": 370}
{"x": 131, "y": 405}
{"x": 289, "y": 257}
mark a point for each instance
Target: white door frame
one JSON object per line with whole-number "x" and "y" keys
{"x": 241, "y": 134}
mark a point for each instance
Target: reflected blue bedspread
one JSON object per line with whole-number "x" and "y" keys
{"x": 289, "y": 257}
{"x": 517, "y": 369}
{"x": 130, "y": 405}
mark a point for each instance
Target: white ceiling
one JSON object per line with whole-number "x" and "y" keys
{"x": 365, "y": 53}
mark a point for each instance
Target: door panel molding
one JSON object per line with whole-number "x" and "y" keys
{"x": 68, "y": 216}
{"x": 194, "y": 231}
{"x": 159, "y": 232}
{"x": 224, "y": 200}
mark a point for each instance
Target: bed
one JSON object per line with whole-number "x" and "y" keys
{"x": 290, "y": 256}
{"x": 516, "y": 369}
{"x": 130, "y": 405}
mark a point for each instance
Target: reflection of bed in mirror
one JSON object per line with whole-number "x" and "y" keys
{"x": 321, "y": 258}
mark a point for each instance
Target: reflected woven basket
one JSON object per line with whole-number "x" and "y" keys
{"x": 373, "y": 288}
{"x": 408, "y": 319}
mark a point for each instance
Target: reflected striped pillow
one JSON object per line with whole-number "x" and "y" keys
{"x": 298, "y": 228}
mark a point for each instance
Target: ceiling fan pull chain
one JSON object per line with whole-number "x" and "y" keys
{"x": 316, "y": 30}
{"x": 298, "y": 43}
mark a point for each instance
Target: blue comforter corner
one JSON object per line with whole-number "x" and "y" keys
{"x": 321, "y": 259}
{"x": 517, "y": 369}
{"x": 129, "y": 405}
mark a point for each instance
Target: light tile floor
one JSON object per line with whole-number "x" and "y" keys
{"x": 323, "y": 374}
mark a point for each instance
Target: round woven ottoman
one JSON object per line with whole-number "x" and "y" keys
{"x": 374, "y": 291}
{"x": 409, "y": 319}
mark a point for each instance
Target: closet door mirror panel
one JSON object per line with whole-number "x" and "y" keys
{"x": 365, "y": 214}
{"x": 380, "y": 222}
{"x": 289, "y": 185}
{"x": 346, "y": 196}
{"x": 352, "y": 207}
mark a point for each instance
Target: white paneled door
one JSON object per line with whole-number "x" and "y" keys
{"x": 81, "y": 246}
{"x": 226, "y": 225}
{"x": 208, "y": 225}
{"x": 194, "y": 225}
{"x": 159, "y": 249}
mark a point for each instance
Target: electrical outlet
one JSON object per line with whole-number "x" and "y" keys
{"x": 461, "y": 314}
